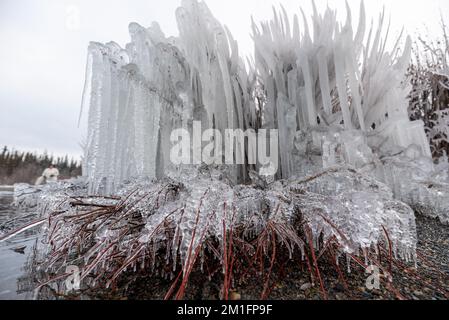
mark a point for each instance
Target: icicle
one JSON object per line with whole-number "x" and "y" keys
{"x": 309, "y": 94}
{"x": 341, "y": 85}
{"x": 348, "y": 262}
{"x": 324, "y": 81}
{"x": 354, "y": 85}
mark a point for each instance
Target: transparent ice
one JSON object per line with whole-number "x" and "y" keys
{"x": 350, "y": 160}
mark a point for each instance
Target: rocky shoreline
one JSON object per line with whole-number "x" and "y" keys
{"x": 430, "y": 281}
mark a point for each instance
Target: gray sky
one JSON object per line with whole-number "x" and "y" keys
{"x": 44, "y": 47}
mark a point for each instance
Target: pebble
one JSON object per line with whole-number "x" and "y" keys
{"x": 340, "y": 296}
{"x": 306, "y": 286}
{"x": 339, "y": 287}
{"x": 367, "y": 295}
{"x": 235, "y": 296}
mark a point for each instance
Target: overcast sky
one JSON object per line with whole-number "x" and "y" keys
{"x": 44, "y": 47}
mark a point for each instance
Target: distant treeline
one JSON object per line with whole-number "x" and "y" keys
{"x": 17, "y": 166}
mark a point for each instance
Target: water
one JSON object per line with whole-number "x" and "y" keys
{"x": 13, "y": 280}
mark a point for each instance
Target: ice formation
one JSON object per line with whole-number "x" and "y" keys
{"x": 335, "y": 95}
{"x": 138, "y": 95}
{"x": 333, "y": 80}
{"x": 351, "y": 164}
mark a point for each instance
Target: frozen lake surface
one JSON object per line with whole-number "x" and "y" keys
{"x": 13, "y": 280}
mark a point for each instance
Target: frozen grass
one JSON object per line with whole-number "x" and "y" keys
{"x": 169, "y": 230}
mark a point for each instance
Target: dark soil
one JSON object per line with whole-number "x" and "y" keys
{"x": 429, "y": 281}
